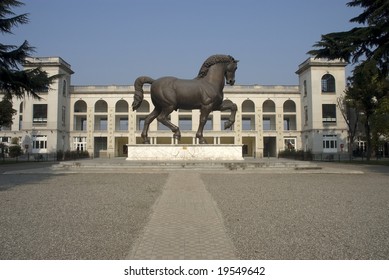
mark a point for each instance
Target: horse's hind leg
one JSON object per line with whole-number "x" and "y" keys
{"x": 148, "y": 120}
{"x": 163, "y": 118}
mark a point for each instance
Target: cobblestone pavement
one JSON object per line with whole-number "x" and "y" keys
{"x": 195, "y": 214}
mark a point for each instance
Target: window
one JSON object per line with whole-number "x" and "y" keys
{"x": 39, "y": 113}
{"x": 101, "y": 106}
{"x": 286, "y": 123}
{"x": 269, "y": 106}
{"x": 248, "y": 116}
{"x": 63, "y": 115}
{"x": 305, "y": 87}
{"x": 306, "y": 115}
{"x": 290, "y": 122}
{"x": 39, "y": 143}
{"x": 329, "y": 113}
{"x": 103, "y": 124}
{"x": 248, "y": 106}
{"x": 5, "y": 139}
{"x": 80, "y": 106}
{"x": 140, "y": 122}
{"x": 328, "y": 83}
{"x": 248, "y": 123}
{"x": 185, "y": 122}
{"x": 289, "y": 106}
{"x": 64, "y": 88}
{"x": 83, "y": 124}
{"x": 80, "y": 123}
{"x": 121, "y": 106}
{"x": 330, "y": 143}
{"x": 269, "y": 123}
{"x": 289, "y": 144}
{"x": 123, "y": 124}
{"x": 79, "y": 143}
{"x": 21, "y": 116}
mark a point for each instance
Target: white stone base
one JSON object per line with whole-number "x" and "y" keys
{"x": 184, "y": 152}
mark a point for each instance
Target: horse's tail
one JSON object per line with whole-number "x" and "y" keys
{"x": 138, "y": 96}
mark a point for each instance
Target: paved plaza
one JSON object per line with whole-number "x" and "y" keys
{"x": 337, "y": 212}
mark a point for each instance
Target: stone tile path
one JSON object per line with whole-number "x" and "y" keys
{"x": 185, "y": 224}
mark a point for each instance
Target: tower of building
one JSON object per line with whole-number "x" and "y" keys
{"x": 322, "y": 83}
{"x": 43, "y": 125}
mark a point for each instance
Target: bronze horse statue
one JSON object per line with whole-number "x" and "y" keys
{"x": 205, "y": 92}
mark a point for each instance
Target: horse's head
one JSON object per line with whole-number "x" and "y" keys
{"x": 230, "y": 72}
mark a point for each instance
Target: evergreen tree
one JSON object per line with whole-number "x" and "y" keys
{"x": 15, "y": 82}
{"x": 367, "y": 89}
{"x": 369, "y": 41}
{"x": 6, "y": 113}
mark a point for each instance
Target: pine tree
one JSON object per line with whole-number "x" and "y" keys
{"x": 14, "y": 81}
{"x": 370, "y": 41}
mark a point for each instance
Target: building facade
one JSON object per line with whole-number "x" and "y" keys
{"x": 99, "y": 119}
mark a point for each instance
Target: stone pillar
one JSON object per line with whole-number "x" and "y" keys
{"x": 111, "y": 129}
{"x": 90, "y": 128}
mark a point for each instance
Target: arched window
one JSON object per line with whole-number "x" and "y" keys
{"x": 101, "y": 106}
{"x": 289, "y": 106}
{"x": 328, "y": 83}
{"x": 21, "y": 116}
{"x": 80, "y": 106}
{"x": 248, "y": 106}
{"x": 144, "y": 107}
{"x": 269, "y": 106}
{"x": 121, "y": 106}
{"x": 248, "y": 115}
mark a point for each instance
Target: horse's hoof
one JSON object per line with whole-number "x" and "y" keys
{"x": 177, "y": 137}
{"x": 203, "y": 141}
{"x": 228, "y": 124}
{"x": 146, "y": 141}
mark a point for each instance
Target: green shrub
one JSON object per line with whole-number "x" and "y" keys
{"x": 14, "y": 151}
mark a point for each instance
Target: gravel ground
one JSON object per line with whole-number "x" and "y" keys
{"x": 74, "y": 216}
{"x": 267, "y": 216}
{"x": 305, "y": 216}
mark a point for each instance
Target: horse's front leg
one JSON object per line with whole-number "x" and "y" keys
{"x": 229, "y": 105}
{"x": 204, "y": 113}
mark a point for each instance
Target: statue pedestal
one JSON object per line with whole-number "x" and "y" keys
{"x": 184, "y": 152}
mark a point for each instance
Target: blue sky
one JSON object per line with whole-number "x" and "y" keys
{"x": 115, "y": 41}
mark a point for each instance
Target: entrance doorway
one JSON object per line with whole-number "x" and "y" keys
{"x": 269, "y": 146}
{"x": 121, "y": 146}
{"x": 248, "y": 146}
{"x": 100, "y": 145}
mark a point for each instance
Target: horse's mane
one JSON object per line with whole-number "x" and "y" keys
{"x": 212, "y": 60}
